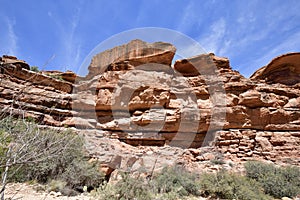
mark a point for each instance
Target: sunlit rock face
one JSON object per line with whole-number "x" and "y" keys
{"x": 128, "y": 56}
{"x": 134, "y": 94}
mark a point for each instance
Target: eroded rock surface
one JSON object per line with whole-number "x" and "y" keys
{"x": 133, "y": 94}
{"x": 136, "y": 52}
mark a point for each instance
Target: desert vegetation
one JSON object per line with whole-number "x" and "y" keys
{"x": 56, "y": 160}
{"x": 34, "y": 68}
{"x": 30, "y": 153}
{"x": 262, "y": 181}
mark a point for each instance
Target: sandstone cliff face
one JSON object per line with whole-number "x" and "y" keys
{"x": 133, "y": 93}
{"x": 30, "y": 94}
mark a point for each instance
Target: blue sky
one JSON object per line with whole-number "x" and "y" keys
{"x": 59, "y": 34}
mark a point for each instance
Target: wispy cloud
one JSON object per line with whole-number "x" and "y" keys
{"x": 290, "y": 44}
{"x": 249, "y": 33}
{"x": 188, "y": 17}
{"x": 264, "y": 35}
{"x": 213, "y": 40}
{"x": 12, "y": 37}
{"x": 69, "y": 52}
{"x": 71, "y": 42}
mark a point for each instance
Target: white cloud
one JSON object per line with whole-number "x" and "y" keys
{"x": 72, "y": 42}
{"x": 69, "y": 54}
{"x": 213, "y": 41}
{"x": 188, "y": 17}
{"x": 290, "y": 44}
{"x": 12, "y": 38}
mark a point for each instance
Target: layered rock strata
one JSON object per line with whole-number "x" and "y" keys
{"x": 134, "y": 94}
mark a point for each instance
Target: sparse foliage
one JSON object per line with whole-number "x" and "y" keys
{"x": 176, "y": 183}
{"x": 126, "y": 189}
{"x": 170, "y": 183}
{"x": 228, "y": 185}
{"x": 31, "y": 153}
{"x": 56, "y": 76}
{"x": 176, "y": 180}
{"x": 276, "y": 181}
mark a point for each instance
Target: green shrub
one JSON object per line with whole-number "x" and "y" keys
{"x": 34, "y": 68}
{"x": 218, "y": 160}
{"x": 5, "y": 139}
{"x": 176, "y": 183}
{"x": 56, "y": 76}
{"x": 51, "y": 153}
{"x": 231, "y": 186}
{"x": 127, "y": 188}
{"x": 171, "y": 183}
{"x": 170, "y": 196}
{"x": 105, "y": 191}
{"x": 176, "y": 179}
{"x": 276, "y": 181}
{"x": 45, "y": 155}
{"x": 60, "y": 186}
{"x": 56, "y": 185}
{"x": 80, "y": 173}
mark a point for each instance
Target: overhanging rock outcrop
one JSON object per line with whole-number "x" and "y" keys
{"x": 284, "y": 69}
{"x": 135, "y": 53}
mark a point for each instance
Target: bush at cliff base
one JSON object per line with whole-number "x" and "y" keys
{"x": 43, "y": 155}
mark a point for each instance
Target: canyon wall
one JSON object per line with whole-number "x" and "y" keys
{"x": 133, "y": 93}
